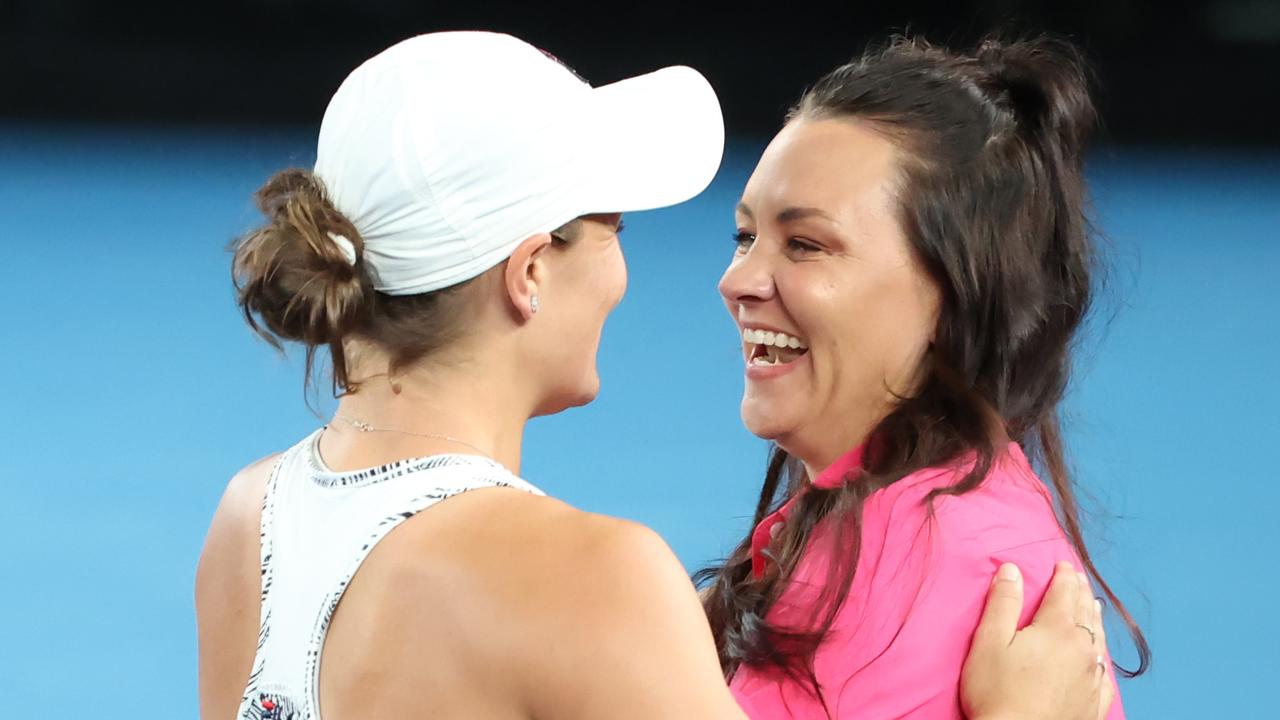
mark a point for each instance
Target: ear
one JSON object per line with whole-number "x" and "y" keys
{"x": 526, "y": 268}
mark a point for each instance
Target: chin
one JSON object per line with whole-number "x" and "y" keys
{"x": 571, "y": 397}
{"x": 588, "y": 390}
{"x": 762, "y": 423}
{"x": 585, "y": 398}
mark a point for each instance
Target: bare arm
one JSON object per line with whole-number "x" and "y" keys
{"x": 227, "y": 591}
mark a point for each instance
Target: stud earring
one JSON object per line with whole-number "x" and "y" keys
{"x": 533, "y": 304}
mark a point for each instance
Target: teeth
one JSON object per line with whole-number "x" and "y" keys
{"x": 774, "y": 339}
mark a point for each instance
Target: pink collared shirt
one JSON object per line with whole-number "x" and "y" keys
{"x": 899, "y": 642}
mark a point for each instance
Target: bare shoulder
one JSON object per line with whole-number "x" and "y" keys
{"x": 513, "y": 548}
{"x": 584, "y": 615}
{"x": 536, "y": 546}
{"x": 247, "y": 487}
{"x": 227, "y": 590}
{"x": 594, "y": 615}
{"x": 236, "y": 521}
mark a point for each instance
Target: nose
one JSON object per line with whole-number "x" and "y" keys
{"x": 748, "y": 279}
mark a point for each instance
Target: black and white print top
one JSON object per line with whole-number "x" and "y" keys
{"x": 318, "y": 526}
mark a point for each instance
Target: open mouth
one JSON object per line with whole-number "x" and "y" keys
{"x": 768, "y": 348}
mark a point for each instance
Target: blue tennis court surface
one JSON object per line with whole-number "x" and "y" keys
{"x": 133, "y": 391}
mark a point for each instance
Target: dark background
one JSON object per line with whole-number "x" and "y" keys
{"x": 1172, "y": 72}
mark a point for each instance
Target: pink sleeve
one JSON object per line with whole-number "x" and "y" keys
{"x": 899, "y": 653}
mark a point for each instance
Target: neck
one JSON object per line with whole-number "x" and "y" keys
{"x": 474, "y": 404}
{"x": 819, "y": 450}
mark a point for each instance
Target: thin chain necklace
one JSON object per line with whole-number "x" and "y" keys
{"x": 363, "y": 426}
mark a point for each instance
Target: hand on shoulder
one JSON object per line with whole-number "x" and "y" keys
{"x": 1047, "y": 670}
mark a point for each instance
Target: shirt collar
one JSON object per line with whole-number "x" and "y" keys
{"x": 836, "y": 475}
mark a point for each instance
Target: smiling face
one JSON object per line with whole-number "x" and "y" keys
{"x": 822, "y": 259}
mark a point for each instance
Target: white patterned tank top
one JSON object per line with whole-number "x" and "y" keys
{"x": 318, "y": 526}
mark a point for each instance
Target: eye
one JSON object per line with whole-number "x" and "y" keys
{"x": 801, "y": 245}
{"x": 743, "y": 240}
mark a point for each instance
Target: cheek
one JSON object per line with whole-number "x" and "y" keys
{"x": 865, "y": 329}
{"x": 823, "y": 308}
{"x": 610, "y": 276}
{"x": 902, "y": 316}
{"x": 607, "y": 284}
{"x": 620, "y": 275}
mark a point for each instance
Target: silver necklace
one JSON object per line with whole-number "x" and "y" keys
{"x": 363, "y": 426}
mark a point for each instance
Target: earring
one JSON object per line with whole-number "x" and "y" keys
{"x": 533, "y": 304}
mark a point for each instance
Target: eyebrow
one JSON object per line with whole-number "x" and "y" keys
{"x": 790, "y": 214}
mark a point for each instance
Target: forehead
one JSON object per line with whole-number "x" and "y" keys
{"x": 839, "y": 166}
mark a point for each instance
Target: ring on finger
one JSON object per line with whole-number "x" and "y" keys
{"x": 1093, "y": 636}
{"x": 1101, "y": 662}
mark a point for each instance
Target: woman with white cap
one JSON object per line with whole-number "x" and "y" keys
{"x": 455, "y": 251}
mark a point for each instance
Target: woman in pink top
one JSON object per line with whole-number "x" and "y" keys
{"x": 913, "y": 261}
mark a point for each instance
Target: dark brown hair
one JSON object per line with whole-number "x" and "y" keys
{"x": 993, "y": 201}
{"x": 294, "y": 283}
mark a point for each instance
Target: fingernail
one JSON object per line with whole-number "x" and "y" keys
{"x": 1009, "y": 572}
{"x": 1097, "y": 606}
{"x": 1084, "y": 579}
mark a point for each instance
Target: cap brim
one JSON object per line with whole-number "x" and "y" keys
{"x": 660, "y": 136}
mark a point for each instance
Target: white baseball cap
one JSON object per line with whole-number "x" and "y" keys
{"x": 447, "y": 150}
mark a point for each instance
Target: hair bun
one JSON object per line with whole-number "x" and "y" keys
{"x": 1046, "y": 83}
{"x": 294, "y": 281}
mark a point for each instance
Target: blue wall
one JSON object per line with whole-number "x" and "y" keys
{"x": 133, "y": 392}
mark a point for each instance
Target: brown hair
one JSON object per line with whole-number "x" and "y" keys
{"x": 294, "y": 283}
{"x": 993, "y": 201}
